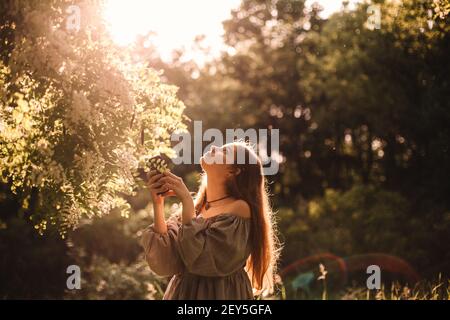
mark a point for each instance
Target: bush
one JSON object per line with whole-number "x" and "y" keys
{"x": 103, "y": 279}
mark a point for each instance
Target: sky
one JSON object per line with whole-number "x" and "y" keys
{"x": 177, "y": 22}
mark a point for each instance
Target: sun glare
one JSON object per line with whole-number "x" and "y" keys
{"x": 175, "y": 22}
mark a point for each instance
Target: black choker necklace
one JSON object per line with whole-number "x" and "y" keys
{"x": 208, "y": 203}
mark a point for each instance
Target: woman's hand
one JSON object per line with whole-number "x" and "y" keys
{"x": 156, "y": 186}
{"x": 176, "y": 185}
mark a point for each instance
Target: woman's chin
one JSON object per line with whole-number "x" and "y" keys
{"x": 205, "y": 163}
{"x": 202, "y": 162}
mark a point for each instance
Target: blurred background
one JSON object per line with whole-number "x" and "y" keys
{"x": 359, "y": 90}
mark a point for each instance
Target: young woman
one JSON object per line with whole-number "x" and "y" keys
{"x": 223, "y": 246}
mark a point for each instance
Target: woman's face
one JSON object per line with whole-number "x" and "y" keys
{"x": 218, "y": 160}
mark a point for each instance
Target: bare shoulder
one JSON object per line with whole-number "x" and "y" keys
{"x": 241, "y": 208}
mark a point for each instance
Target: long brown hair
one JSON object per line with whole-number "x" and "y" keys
{"x": 250, "y": 185}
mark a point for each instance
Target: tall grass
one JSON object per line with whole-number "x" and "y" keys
{"x": 424, "y": 290}
{"x": 438, "y": 289}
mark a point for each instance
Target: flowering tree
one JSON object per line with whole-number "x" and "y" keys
{"x": 77, "y": 115}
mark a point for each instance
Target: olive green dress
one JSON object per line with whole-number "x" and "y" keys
{"x": 205, "y": 257}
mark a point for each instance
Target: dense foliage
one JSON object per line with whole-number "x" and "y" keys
{"x": 77, "y": 114}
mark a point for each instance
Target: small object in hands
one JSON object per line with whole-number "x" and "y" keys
{"x": 158, "y": 163}
{"x": 208, "y": 203}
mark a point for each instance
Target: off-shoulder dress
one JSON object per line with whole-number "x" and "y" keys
{"x": 205, "y": 257}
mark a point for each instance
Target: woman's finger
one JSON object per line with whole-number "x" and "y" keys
{"x": 167, "y": 179}
{"x": 156, "y": 186}
{"x": 155, "y": 178}
{"x": 171, "y": 186}
{"x": 159, "y": 189}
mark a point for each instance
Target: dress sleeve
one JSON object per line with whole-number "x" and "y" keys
{"x": 216, "y": 247}
{"x": 161, "y": 250}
